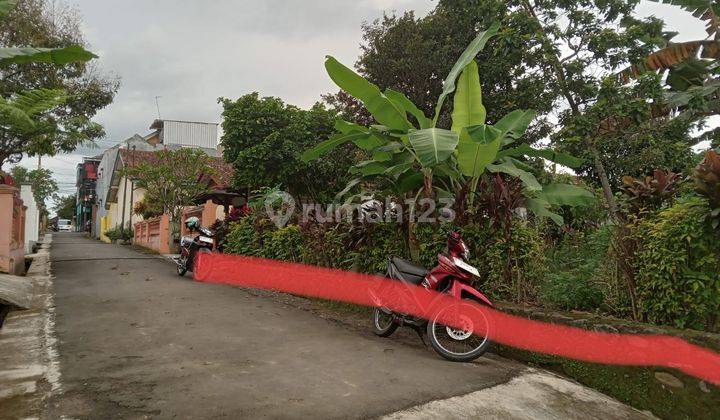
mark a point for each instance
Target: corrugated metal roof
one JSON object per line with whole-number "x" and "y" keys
{"x": 191, "y": 134}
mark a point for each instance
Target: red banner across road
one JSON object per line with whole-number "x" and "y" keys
{"x": 541, "y": 337}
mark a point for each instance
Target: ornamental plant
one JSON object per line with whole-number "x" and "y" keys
{"x": 651, "y": 192}
{"x": 707, "y": 184}
{"x": 411, "y": 154}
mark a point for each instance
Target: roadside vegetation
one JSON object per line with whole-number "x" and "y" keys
{"x": 615, "y": 210}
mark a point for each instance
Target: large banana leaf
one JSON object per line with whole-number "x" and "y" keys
{"x": 382, "y": 108}
{"x": 6, "y": 6}
{"x": 551, "y": 155}
{"x": 331, "y": 143}
{"x": 410, "y": 181}
{"x": 382, "y": 156}
{"x": 465, "y": 58}
{"x": 60, "y": 56}
{"x": 514, "y": 124}
{"x": 401, "y": 101}
{"x": 468, "y": 108}
{"x": 346, "y": 127}
{"x": 398, "y": 169}
{"x": 566, "y": 195}
{"x": 370, "y": 142}
{"x": 477, "y": 148}
{"x": 540, "y": 207}
{"x": 528, "y": 179}
{"x": 369, "y": 168}
{"x": 433, "y": 145}
{"x": 350, "y": 185}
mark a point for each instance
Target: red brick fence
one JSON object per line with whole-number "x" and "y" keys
{"x": 154, "y": 234}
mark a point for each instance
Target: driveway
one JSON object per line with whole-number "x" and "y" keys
{"x": 135, "y": 340}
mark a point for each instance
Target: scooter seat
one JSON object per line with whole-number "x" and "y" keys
{"x": 406, "y": 270}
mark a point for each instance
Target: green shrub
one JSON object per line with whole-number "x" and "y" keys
{"x": 381, "y": 241}
{"x": 510, "y": 268}
{"x": 242, "y": 238}
{"x": 116, "y": 233}
{"x": 568, "y": 291}
{"x": 327, "y": 246}
{"x": 285, "y": 244}
{"x": 578, "y": 271}
{"x": 432, "y": 240}
{"x": 677, "y": 266}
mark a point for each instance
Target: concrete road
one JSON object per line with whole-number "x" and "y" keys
{"x": 135, "y": 340}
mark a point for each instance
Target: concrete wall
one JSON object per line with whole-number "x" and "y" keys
{"x": 154, "y": 234}
{"x": 12, "y": 230}
{"x": 32, "y": 218}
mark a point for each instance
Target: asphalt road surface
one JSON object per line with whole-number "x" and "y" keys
{"x": 136, "y": 341}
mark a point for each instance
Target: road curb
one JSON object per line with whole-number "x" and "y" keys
{"x": 30, "y": 369}
{"x": 534, "y": 394}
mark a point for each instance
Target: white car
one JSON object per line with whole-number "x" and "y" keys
{"x": 64, "y": 225}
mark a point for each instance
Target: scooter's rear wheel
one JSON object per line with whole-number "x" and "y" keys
{"x": 462, "y": 343}
{"x": 383, "y": 322}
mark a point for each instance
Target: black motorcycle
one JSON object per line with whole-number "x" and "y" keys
{"x": 190, "y": 246}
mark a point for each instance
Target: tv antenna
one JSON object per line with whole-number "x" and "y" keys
{"x": 157, "y": 104}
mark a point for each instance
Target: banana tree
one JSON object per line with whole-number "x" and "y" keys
{"x": 417, "y": 157}
{"x": 22, "y": 55}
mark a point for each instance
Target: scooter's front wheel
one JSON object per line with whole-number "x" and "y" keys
{"x": 467, "y": 339}
{"x": 383, "y": 322}
{"x": 181, "y": 266}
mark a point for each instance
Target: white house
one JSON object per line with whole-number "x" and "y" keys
{"x": 108, "y": 183}
{"x": 32, "y": 217}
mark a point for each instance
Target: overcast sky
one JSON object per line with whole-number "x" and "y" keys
{"x": 190, "y": 52}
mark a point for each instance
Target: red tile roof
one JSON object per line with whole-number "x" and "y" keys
{"x": 223, "y": 175}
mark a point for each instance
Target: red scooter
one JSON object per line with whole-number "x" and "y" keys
{"x": 452, "y": 277}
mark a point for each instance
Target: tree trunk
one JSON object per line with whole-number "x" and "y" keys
{"x": 562, "y": 82}
{"x": 607, "y": 190}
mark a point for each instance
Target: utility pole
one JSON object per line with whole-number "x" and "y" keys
{"x": 132, "y": 191}
{"x": 122, "y": 221}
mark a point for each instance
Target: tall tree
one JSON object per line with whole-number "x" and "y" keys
{"x": 43, "y": 185}
{"x": 56, "y": 68}
{"x": 264, "y": 138}
{"x": 593, "y": 39}
{"x": 65, "y": 207}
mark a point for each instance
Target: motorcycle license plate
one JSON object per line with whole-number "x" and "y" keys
{"x": 206, "y": 240}
{"x": 467, "y": 267}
